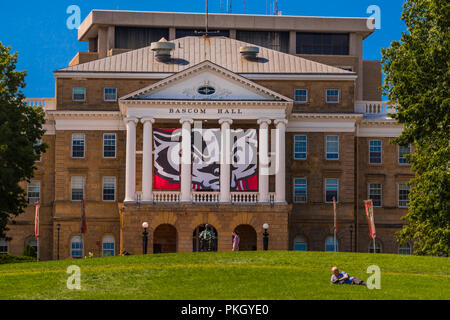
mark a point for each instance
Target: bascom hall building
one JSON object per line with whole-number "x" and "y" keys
{"x": 261, "y": 120}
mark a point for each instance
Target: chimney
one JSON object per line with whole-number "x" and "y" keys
{"x": 162, "y": 49}
{"x": 249, "y": 52}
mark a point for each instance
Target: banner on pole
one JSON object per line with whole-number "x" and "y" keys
{"x": 370, "y": 218}
{"x": 37, "y": 225}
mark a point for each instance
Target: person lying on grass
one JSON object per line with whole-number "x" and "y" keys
{"x": 344, "y": 278}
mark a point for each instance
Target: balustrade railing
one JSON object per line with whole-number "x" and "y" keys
{"x": 375, "y": 108}
{"x": 44, "y": 103}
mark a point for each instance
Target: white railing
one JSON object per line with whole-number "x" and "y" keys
{"x": 166, "y": 196}
{"x": 206, "y": 197}
{"x": 244, "y": 197}
{"x": 209, "y": 197}
{"x": 44, "y": 103}
{"x": 374, "y": 108}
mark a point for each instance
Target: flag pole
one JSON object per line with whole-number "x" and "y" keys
{"x": 335, "y": 224}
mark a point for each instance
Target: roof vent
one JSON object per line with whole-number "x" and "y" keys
{"x": 249, "y": 52}
{"x": 162, "y": 49}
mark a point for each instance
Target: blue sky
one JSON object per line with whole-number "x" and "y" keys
{"x": 37, "y": 29}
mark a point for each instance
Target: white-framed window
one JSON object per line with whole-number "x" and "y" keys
{"x": 332, "y": 95}
{"x": 378, "y": 246}
{"x": 332, "y": 148}
{"x": 4, "y": 246}
{"x": 300, "y": 147}
{"x": 300, "y": 244}
{"x": 403, "y": 195}
{"x": 108, "y": 246}
{"x": 33, "y": 243}
{"x": 34, "y": 192}
{"x": 376, "y": 194}
{"x": 329, "y": 244}
{"x": 109, "y": 145}
{"x": 110, "y": 94}
{"x": 300, "y": 190}
{"x": 404, "y": 248}
{"x": 402, "y": 151}
{"x": 331, "y": 190}
{"x": 78, "y": 145}
{"x": 375, "y": 151}
{"x": 79, "y": 94}
{"x": 109, "y": 188}
{"x": 76, "y": 247}
{"x": 77, "y": 187}
{"x": 301, "y": 95}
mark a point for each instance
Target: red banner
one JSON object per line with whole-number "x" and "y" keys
{"x": 370, "y": 218}
{"x": 37, "y": 225}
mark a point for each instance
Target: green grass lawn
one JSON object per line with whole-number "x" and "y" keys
{"x": 243, "y": 275}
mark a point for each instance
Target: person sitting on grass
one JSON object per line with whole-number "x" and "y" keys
{"x": 344, "y": 278}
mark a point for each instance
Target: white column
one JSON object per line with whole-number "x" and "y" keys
{"x": 264, "y": 159}
{"x": 225, "y": 160}
{"x": 130, "y": 172}
{"x": 280, "y": 160}
{"x": 186, "y": 145}
{"x": 147, "y": 160}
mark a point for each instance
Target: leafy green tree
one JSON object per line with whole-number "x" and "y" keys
{"x": 417, "y": 80}
{"x": 20, "y": 130}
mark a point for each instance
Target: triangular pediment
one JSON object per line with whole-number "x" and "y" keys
{"x": 206, "y": 82}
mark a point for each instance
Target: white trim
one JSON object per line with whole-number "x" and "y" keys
{"x": 103, "y": 188}
{"x": 325, "y": 190}
{"x": 162, "y": 75}
{"x": 333, "y": 102}
{"x": 293, "y": 154}
{"x": 115, "y": 146}
{"x": 84, "y": 146}
{"x": 82, "y": 246}
{"x": 28, "y": 191}
{"x": 381, "y": 194}
{"x": 71, "y": 187}
{"x": 326, "y": 147}
{"x": 293, "y": 190}
{"x": 104, "y": 95}
{"x": 89, "y": 125}
{"x": 295, "y": 95}
{"x": 379, "y": 163}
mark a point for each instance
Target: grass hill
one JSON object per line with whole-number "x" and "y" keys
{"x": 243, "y": 275}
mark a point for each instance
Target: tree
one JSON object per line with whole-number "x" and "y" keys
{"x": 20, "y": 130}
{"x": 417, "y": 80}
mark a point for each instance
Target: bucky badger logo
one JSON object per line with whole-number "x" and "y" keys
{"x": 206, "y": 159}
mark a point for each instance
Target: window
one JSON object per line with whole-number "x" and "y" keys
{"x": 108, "y": 246}
{"x": 79, "y": 94}
{"x": 78, "y": 145}
{"x": 375, "y": 151}
{"x": 332, "y": 96}
{"x": 33, "y": 243}
{"x": 76, "y": 247}
{"x": 3, "y": 246}
{"x": 404, "y": 248}
{"x": 375, "y": 194}
{"x": 300, "y": 147}
{"x": 332, "y": 148}
{"x": 274, "y": 40}
{"x": 301, "y": 95}
{"x": 402, "y": 151}
{"x": 329, "y": 244}
{"x": 34, "y": 192}
{"x": 110, "y": 94}
{"x": 109, "y": 189}
{"x": 109, "y": 145}
{"x": 331, "y": 190}
{"x": 378, "y": 247}
{"x": 300, "y": 190}
{"x": 206, "y": 91}
{"x": 403, "y": 193}
{"x": 77, "y": 188}
{"x": 300, "y": 244}
{"x": 323, "y": 43}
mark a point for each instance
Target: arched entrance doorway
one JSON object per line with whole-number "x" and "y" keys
{"x": 200, "y": 231}
{"x": 165, "y": 239}
{"x": 248, "y": 237}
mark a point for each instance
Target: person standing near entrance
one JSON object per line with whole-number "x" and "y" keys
{"x": 236, "y": 241}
